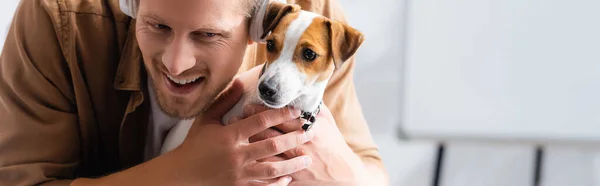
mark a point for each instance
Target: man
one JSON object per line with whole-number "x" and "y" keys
{"x": 76, "y": 79}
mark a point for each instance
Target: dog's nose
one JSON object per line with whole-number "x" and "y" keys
{"x": 267, "y": 90}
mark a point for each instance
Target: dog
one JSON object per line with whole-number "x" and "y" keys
{"x": 303, "y": 51}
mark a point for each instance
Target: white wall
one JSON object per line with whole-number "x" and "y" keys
{"x": 7, "y": 7}
{"x": 378, "y": 79}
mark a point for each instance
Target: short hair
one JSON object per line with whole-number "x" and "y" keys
{"x": 249, "y": 6}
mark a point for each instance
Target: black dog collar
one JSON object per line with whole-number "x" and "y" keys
{"x": 310, "y": 117}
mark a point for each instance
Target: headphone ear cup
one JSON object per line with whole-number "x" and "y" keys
{"x": 129, "y": 7}
{"x": 256, "y": 30}
{"x": 256, "y": 23}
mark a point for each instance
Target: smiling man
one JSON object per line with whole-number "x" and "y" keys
{"x": 87, "y": 95}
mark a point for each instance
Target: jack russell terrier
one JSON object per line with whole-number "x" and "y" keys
{"x": 303, "y": 51}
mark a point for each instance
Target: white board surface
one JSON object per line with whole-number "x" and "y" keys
{"x": 508, "y": 70}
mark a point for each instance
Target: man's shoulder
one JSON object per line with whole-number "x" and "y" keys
{"x": 103, "y": 8}
{"x": 75, "y": 23}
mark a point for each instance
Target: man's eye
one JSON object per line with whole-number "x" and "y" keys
{"x": 205, "y": 36}
{"x": 160, "y": 27}
{"x": 208, "y": 34}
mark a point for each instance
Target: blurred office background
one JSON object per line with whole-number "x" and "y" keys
{"x": 510, "y": 87}
{"x": 495, "y": 71}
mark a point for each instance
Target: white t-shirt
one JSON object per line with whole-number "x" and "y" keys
{"x": 158, "y": 127}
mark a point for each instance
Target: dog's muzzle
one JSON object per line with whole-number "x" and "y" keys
{"x": 309, "y": 117}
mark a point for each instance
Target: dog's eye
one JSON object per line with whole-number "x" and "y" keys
{"x": 271, "y": 46}
{"x": 309, "y": 55}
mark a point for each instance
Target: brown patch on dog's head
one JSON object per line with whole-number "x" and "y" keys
{"x": 315, "y": 40}
{"x": 332, "y": 42}
{"x": 345, "y": 40}
{"x": 277, "y": 36}
{"x": 276, "y": 11}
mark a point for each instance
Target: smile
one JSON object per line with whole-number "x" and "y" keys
{"x": 183, "y": 86}
{"x": 183, "y": 81}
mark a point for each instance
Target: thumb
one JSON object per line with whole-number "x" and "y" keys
{"x": 225, "y": 101}
{"x": 283, "y": 181}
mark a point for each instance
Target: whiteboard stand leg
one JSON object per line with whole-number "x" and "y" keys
{"x": 437, "y": 174}
{"x": 539, "y": 160}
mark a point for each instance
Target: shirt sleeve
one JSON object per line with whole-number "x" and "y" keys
{"x": 39, "y": 141}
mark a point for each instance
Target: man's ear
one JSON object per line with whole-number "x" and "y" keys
{"x": 275, "y": 12}
{"x": 345, "y": 40}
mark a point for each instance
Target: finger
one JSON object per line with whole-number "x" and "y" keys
{"x": 273, "y": 159}
{"x": 270, "y": 170}
{"x": 226, "y": 100}
{"x": 252, "y": 109}
{"x": 295, "y": 152}
{"x": 283, "y": 181}
{"x": 265, "y": 134}
{"x": 262, "y": 182}
{"x": 233, "y": 120}
{"x": 277, "y": 145}
{"x": 290, "y": 126}
{"x": 263, "y": 120}
{"x": 270, "y": 133}
{"x": 285, "y": 127}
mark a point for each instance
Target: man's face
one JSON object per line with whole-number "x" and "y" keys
{"x": 192, "y": 49}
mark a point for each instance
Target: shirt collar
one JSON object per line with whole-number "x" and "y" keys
{"x": 128, "y": 76}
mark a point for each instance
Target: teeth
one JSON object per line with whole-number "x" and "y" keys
{"x": 182, "y": 81}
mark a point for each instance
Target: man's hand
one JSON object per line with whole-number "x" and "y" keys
{"x": 334, "y": 162}
{"x": 213, "y": 154}
{"x": 222, "y": 155}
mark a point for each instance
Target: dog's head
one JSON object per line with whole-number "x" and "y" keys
{"x": 303, "y": 51}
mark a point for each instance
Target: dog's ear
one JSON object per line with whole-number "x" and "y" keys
{"x": 275, "y": 12}
{"x": 345, "y": 40}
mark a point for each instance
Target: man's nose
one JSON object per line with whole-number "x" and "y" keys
{"x": 178, "y": 56}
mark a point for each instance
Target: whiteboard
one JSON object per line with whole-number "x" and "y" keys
{"x": 503, "y": 70}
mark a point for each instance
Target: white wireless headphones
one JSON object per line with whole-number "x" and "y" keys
{"x": 130, "y": 7}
